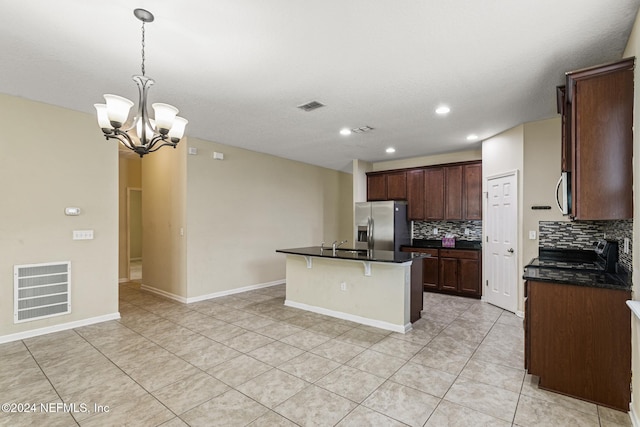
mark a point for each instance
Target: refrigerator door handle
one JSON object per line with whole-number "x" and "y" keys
{"x": 370, "y": 242}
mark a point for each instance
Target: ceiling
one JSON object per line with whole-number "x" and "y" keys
{"x": 237, "y": 69}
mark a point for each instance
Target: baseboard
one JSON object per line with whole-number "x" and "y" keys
{"x": 57, "y": 328}
{"x": 165, "y": 294}
{"x": 520, "y": 314}
{"x": 214, "y": 295}
{"x": 351, "y": 317}
{"x": 123, "y": 280}
{"x": 634, "y": 417}
{"x": 234, "y": 291}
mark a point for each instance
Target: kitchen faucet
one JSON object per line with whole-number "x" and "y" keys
{"x": 335, "y": 245}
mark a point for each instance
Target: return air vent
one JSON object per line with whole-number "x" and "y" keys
{"x": 310, "y": 106}
{"x": 41, "y": 290}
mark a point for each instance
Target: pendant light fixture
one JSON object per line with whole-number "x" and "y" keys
{"x": 143, "y": 135}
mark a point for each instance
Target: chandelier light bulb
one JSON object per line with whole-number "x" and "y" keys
{"x": 144, "y": 135}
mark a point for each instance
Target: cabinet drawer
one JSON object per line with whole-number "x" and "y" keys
{"x": 459, "y": 253}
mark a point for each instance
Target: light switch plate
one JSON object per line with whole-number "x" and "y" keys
{"x": 532, "y": 235}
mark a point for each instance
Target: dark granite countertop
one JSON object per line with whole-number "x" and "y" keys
{"x": 357, "y": 255}
{"x": 437, "y": 243}
{"x": 574, "y": 267}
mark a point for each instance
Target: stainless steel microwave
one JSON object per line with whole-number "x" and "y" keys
{"x": 563, "y": 193}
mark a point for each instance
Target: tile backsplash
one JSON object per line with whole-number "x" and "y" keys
{"x": 424, "y": 229}
{"x": 582, "y": 234}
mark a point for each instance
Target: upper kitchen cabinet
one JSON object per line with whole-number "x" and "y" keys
{"x": 386, "y": 186}
{"x": 453, "y": 192}
{"x": 472, "y": 195}
{"x": 434, "y": 194}
{"x": 598, "y": 120}
{"x": 415, "y": 194}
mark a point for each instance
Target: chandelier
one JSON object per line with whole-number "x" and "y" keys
{"x": 143, "y": 134}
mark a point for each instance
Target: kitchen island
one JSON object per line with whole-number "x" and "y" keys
{"x": 375, "y": 288}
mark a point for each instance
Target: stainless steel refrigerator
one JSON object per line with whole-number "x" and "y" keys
{"x": 381, "y": 225}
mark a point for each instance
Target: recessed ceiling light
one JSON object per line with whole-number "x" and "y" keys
{"x": 472, "y": 137}
{"x": 390, "y": 150}
{"x": 443, "y": 109}
{"x": 345, "y": 131}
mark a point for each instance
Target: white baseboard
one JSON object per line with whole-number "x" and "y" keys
{"x": 57, "y": 328}
{"x": 123, "y": 280}
{"x": 520, "y": 314}
{"x": 634, "y": 417}
{"x": 351, "y": 317}
{"x": 234, "y": 291}
{"x": 214, "y": 295}
{"x": 163, "y": 293}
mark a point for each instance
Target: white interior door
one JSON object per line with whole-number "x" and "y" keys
{"x": 500, "y": 254}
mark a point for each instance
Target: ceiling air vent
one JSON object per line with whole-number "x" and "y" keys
{"x": 310, "y": 106}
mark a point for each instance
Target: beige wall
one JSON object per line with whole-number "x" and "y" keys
{"x": 241, "y": 209}
{"x": 541, "y": 170}
{"x": 164, "y": 230}
{"x": 633, "y": 49}
{"x": 52, "y": 158}
{"x": 458, "y": 156}
{"x": 129, "y": 176}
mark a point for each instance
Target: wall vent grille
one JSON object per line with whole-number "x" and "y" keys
{"x": 41, "y": 290}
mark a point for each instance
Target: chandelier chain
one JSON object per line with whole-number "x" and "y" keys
{"x": 143, "y": 48}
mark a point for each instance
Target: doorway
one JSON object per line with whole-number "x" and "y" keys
{"x": 134, "y": 233}
{"x": 500, "y": 254}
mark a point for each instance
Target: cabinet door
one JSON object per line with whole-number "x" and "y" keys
{"x": 434, "y": 193}
{"x": 469, "y": 276}
{"x": 397, "y": 186}
{"x": 430, "y": 273}
{"x": 415, "y": 194}
{"x": 453, "y": 192}
{"x": 448, "y": 274}
{"x": 376, "y": 187}
{"x": 603, "y": 145}
{"x": 563, "y": 110}
{"x": 472, "y": 194}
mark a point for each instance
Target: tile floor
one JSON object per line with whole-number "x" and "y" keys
{"x": 247, "y": 359}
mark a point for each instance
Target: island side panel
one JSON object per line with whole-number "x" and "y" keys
{"x": 382, "y": 297}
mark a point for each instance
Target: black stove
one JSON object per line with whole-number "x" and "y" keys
{"x": 603, "y": 258}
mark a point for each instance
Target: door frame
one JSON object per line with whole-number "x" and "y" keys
{"x": 485, "y": 257}
{"x": 129, "y": 190}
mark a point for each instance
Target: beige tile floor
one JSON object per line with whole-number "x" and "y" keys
{"x": 247, "y": 359}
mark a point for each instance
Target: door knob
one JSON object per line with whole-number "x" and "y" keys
{"x": 510, "y": 250}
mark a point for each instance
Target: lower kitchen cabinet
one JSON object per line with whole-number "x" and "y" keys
{"x": 451, "y": 271}
{"x": 578, "y": 341}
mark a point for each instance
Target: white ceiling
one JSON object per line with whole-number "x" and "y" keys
{"x": 237, "y": 69}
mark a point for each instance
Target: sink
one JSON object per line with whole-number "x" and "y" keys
{"x": 353, "y": 251}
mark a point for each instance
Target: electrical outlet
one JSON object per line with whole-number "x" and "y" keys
{"x": 343, "y": 286}
{"x": 626, "y": 245}
{"x": 435, "y": 230}
{"x": 467, "y": 231}
{"x": 532, "y": 235}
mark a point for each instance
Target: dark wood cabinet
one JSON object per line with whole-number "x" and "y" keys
{"x": 453, "y": 192}
{"x": 434, "y": 193}
{"x": 460, "y": 271}
{"x": 397, "y": 186}
{"x": 415, "y": 194}
{"x": 472, "y": 194}
{"x": 598, "y": 131}
{"x": 565, "y": 150}
{"x": 376, "y": 187}
{"x": 451, "y": 271}
{"x": 578, "y": 341}
{"x": 386, "y": 186}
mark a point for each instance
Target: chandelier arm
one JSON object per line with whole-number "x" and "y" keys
{"x": 156, "y": 148}
{"x": 121, "y": 136}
